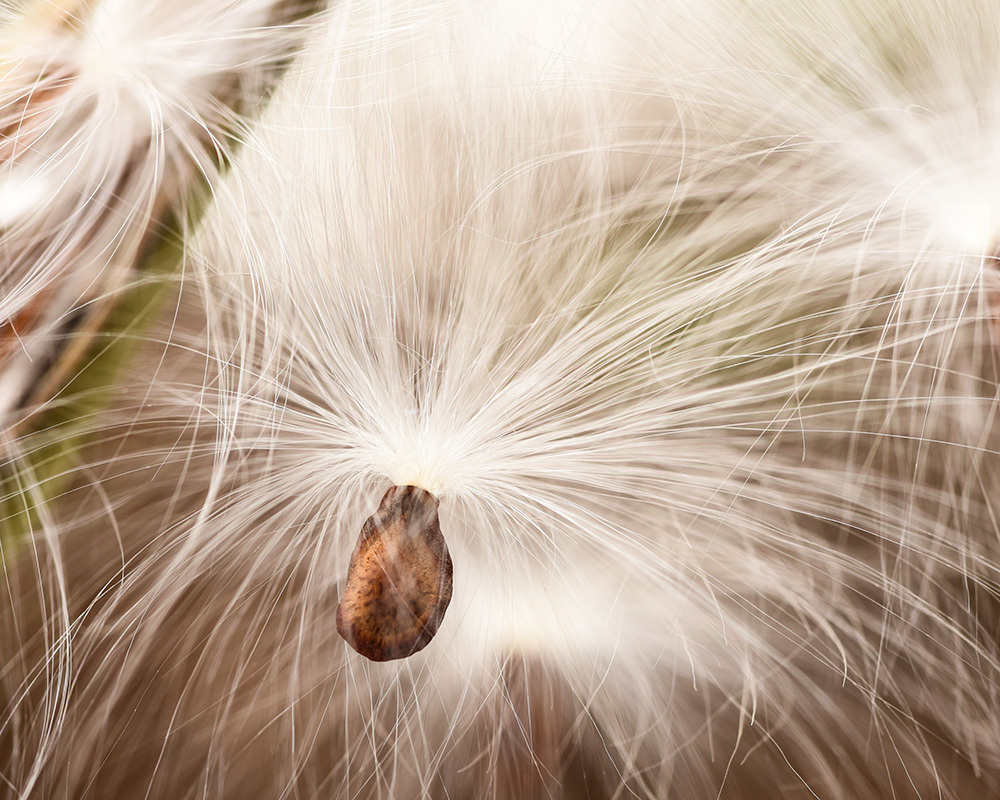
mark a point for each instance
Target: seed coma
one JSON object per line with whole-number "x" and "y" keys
{"x": 399, "y": 580}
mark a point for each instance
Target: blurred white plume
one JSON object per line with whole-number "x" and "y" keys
{"x": 686, "y": 311}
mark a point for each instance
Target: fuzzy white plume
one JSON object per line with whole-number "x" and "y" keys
{"x": 108, "y": 110}
{"x": 687, "y": 313}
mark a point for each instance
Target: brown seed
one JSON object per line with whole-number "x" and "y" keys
{"x": 399, "y": 580}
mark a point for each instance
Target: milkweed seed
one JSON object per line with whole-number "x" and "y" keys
{"x": 399, "y": 580}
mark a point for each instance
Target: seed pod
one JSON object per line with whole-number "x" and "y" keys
{"x": 399, "y": 579}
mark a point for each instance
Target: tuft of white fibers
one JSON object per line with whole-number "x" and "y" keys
{"x": 687, "y": 312}
{"x": 109, "y": 111}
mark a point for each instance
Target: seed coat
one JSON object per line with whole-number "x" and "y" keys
{"x": 399, "y": 580}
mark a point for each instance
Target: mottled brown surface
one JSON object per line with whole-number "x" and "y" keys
{"x": 399, "y": 580}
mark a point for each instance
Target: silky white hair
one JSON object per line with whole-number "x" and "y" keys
{"x": 686, "y": 311}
